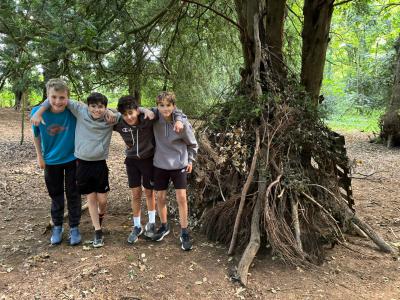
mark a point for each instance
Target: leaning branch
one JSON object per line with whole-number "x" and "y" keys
{"x": 244, "y": 193}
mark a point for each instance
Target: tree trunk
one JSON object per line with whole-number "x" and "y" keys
{"x": 49, "y": 71}
{"x": 315, "y": 35}
{"x": 395, "y": 99}
{"x": 249, "y": 18}
{"x": 136, "y": 77}
{"x": 274, "y": 26}
{"x": 18, "y": 100}
{"x": 390, "y": 121}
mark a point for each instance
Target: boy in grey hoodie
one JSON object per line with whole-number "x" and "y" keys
{"x": 173, "y": 159}
{"x": 92, "y": 142}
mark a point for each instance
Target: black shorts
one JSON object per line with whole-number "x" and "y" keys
{"x": 92, "y": 176}
{"x": 162, "y": 177}
{"x": 140, "y": 172}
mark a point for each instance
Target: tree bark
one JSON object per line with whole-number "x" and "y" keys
{"x": 394, "y": 103}
{"x": 315, "y": 36}
{"x": 136, "y": 77}
{"x": 274, "y": 24}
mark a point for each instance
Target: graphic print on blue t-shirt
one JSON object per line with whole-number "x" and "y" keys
{"x": 54, "y": 129}
{"x": 57, "y": 136}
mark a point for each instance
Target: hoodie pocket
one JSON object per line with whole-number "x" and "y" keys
{"x": 92, "y": 150}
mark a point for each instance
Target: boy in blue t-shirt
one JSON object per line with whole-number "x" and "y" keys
{"x": 54, "y": 144}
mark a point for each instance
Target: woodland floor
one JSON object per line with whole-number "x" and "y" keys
{"x": 32, "y": 269}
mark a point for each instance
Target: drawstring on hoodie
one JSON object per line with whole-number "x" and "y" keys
{"x": 137, "y": 140}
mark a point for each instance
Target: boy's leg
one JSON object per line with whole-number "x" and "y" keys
{"x": 74, "y": 199}
{"x": 93, "y": 210}
{"x": 182, "y": 206}
{"x": 179, "y": 178}
{"x": 136, "y": 201}
{"x": 54, "y": 178}
{"x": 102, "y": 202}
{"x": 162, "y": 205}
{"x": 150, "y": 199}
{"x": 137, "y": 229}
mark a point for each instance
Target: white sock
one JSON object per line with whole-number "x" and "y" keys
{"x": 136, "y": 222}
{"x": 152, "y": 216}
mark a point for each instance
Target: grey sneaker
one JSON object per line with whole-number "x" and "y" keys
{"x": 186, "y": 244}
{"x": 161, "y": 232}
{"x": 98, "y": 240}
{"x": 149, "y": 230}
{"x": 134, "y": 235}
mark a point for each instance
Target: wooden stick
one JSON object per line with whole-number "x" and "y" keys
{"x": 244, "y": 193}
{"x": 372, "y": 235}
{"x": 295, "y": 217}
{"x": 253, "y": 246}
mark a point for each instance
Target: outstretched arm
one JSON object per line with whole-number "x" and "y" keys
{"x": 37, "y": 118}
{"x": 192, "y": 146}
{"x": 39, "y": 155}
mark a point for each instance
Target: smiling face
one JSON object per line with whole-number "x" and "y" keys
{"x": 166, "y": 108}
{"x": 131, "y": 116}
{"x": 58, "y": 100}
{"x": 97, "y": 110}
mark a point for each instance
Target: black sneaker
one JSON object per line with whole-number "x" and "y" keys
{"x": 134, "y": 235}
{"x": 185, "y": 241}
{"x": 161, "y": 232}
{"x": 98, "y": 240}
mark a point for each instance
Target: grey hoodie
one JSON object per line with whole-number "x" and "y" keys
{"x": 174, "y": 150}
{"x": 92, "y": 136}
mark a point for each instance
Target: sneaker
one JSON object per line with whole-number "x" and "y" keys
{"x": 98, "y": 240}
{"x": 56, "y": 235}
{"x": 150, "y": 229}
{"x": 161, "y": 232}
{"x": 185, "y": 241}
{"x": 134, "y": 235}
{"x": 74, "y": 236}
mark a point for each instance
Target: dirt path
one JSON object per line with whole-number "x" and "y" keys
{"x": 32, "y": 269}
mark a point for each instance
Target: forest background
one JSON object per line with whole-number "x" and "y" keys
{"x": 192, "y": 51}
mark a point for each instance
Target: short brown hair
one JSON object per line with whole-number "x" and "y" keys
{"x": 168, "y": 96}
{"x": 57, "y": 84}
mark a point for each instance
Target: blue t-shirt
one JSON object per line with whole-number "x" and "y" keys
{"x": 57, "y": 136}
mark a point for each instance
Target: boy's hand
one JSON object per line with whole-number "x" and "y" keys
{"x": 148, "y": 114}
{"x": 110, "y": 117}
{"x": 178, "y": 127}
{"x": 36, "y": 120}
{"x": 41, "y": 163}
{"x": 189, "y": 168}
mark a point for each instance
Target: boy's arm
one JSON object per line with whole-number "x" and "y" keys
{"x": 37, "y": 118}
{"x": 178, "y": 116}
{"x": 112, "y": 116}
{"x": 77, "y": 108}
{"x": 148, "y": 114}
{"x": 38, "y": 147}
{"x": 192, "y": 146}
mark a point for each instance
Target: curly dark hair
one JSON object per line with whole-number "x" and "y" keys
{"x": 127, "y": 102}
